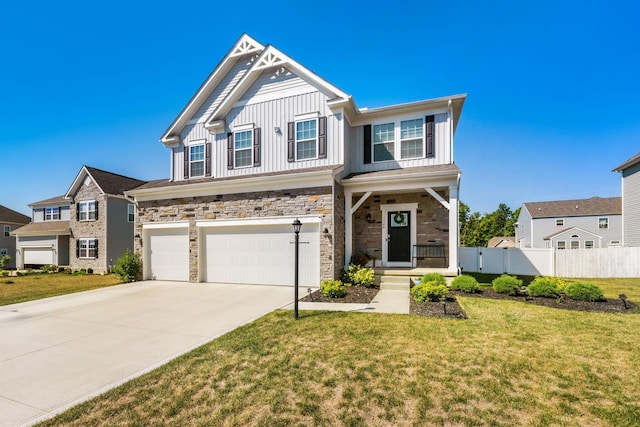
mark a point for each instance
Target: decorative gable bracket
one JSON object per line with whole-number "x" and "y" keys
{"x": 246, "y": 45}
{"x": 270, "y": 59}
{"x": 217, "y": 126}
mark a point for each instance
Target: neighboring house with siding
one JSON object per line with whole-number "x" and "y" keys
{"x": 570, "y": 224}
{"x": 630, "y": 171}
{"x": 9, "y": 221}
{"x": 263, "y": 141}
{"x": 502, "y": 242}
{"x": 88, "y": 227}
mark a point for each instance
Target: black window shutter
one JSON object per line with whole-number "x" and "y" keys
{"x": 429, "y": 124}
{"x": 96, "y": 205}
{"x": 77, "y": 248}
{"x": 322, "y": 137}
{"x": 96, "y": 245}
{"x": 256, "y": 147}
{"x": 77, "y": 211}
{"x": 367, "y": 144}
{"x": 230, "y": 150}
{"x": 208, "y": 158}
{"x": 59, "y": 212}
{"x": 186, "y": 162}
{"x": 291, "y": 142}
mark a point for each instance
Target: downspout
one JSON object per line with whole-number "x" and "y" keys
{"x": 450, "y": 110}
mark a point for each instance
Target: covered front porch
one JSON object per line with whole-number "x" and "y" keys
{"x": 405, "y": 218}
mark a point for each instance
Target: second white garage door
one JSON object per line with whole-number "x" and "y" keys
{"x": 167, "y": 254}
{"x": 38, "y": 256}
{"x": 260, "y": 254}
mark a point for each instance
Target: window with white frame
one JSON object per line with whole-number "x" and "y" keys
{"x": 561, "y": 244}
{"x": 3, "y": 252}
{"x": 307, "y": 139}
{"x": 87, "y": 210}
{"x": 614, "y": 243}
{"x": 7, "y": 230}
{"x": 411, "y": 138}
{"x": 196, "y": 160}
{"x": 560, "y": 222}
{"x": 131, "y": 212}
{"x": 87, "y": 248}
{"x": 603, "y": 223}
{"x": 51, "y": 214}
{"x": 588, "y": 244}
{"x": 383, "y": 142}
{"x": 575, "y": 244}
{"x": 243, "y": 148}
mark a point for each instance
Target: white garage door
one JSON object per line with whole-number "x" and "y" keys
{"x": 261, "y": 254}
{"x": 38, "y": 256}
{"x": 167, "y": 254}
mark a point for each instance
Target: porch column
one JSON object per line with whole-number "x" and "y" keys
{"x": 454, "y": 230}
{"x": 348, "y": 228}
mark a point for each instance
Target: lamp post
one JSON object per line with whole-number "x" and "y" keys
{"x": 297, "y": 225}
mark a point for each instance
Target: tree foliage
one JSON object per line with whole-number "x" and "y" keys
{"x": 477, "y": 229}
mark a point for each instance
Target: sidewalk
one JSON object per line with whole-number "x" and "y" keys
{"x": 386, "y": 301}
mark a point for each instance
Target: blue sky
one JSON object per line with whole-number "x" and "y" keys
{"x": 552, "y": 86}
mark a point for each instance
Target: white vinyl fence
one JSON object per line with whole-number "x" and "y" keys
{"x": 604, "y": 262}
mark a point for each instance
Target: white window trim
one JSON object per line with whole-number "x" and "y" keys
{"x": 603, "y": 228}
{"x": 306, "y": 116}
{"x": 397, "y": 138}
{"x": 241, "y": 128}
{"x": 593, "y": 244}
{"x": 6, "y": 230}
{"x": 564, "y": 242}
{"x": 132, "y": 208}
{"x": 52, "y": 214}
{"x": 86, "y": 240}
{"x": 295, "y": 136}
{"x": 560, "y": 222}
{"x": 88, "y": 203}
{"x": 193, "y": 144}
{"x": 235, "y": 150}
{"x": 572, "y": 242}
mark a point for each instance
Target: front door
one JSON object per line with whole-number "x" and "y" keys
{"x": 399, "y": 236}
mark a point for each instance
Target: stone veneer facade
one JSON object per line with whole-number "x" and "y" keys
{"x": 432, "y": 224}
{"x": 303, "y": 202}
{"x": 89, "y": 229}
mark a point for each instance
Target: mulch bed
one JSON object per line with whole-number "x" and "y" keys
{"x": 450, "y": 308}
{"x": 355, "y": 295}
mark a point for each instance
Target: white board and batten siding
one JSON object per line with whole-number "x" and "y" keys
{"x": 631, "y": 205}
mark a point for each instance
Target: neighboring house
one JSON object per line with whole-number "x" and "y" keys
{"x": 88, "y": 227}
{"x": 570, "y": 224}
{"x": 630, "y": 200}
{"x": 502, "y": 242}
{"x": 263, "y": 141}
{"x": 9, "y": 221}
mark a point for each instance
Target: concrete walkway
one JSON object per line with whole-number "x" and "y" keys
{"x": 386, "y": 301}
{"x": 58, "y": 352}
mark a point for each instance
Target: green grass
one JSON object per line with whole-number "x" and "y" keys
{"x": 509, "y": 363}
{"x": 37, "y": 286}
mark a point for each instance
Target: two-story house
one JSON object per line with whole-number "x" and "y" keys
{"x": 570, "y": 224}
{"x": 90, "y": 226}
{"x": 9, "y": 221}
{"x": 630, "y": 171}
{"x": 264, "y": 141}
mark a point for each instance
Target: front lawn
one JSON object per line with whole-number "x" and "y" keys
{"x": 509, "y": 363}
{"x": 37, "y": 286}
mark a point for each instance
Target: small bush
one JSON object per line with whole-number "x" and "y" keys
{"x": 429, "y": 291}
{"x": 48, "y": 268}
{"x": 89, "y": 270}
{"x": 506, "y": 284}
{"x": 359, "y": 276}
{"x": 547, "y": 287}
{"x": 333, "y": 289}
{"x": 465, "y": 283}
{"x": 359, "y": 258}
{"x": 4, "y": 261}
{"x": 434, "y": 277}
{"x": 584, "y": 292}
{"x": 127, "y": 267}
{"x": 4, "y": 273}
{"x": 67, "y": 270}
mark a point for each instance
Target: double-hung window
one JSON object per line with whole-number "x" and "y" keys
{"x": 411, "y": 139}
{"x": 131, "y": 212}
{"x": 561, "y": 244}
{"x": 399, "y": 140}
{"x": 307, "y": 139}
{"x": 603, "y": 223}
{"x": 383, "y": 142}
{"x": 51, "y": 214}
{"x": 87, "y": 210}
{"x": 87, "y": 248}
{"x": 243, "y": 148}
{"x": 196, "y": 160}
{"x": 7, "y": 230}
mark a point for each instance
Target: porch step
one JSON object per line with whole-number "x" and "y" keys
{"x": 399, "y": 283}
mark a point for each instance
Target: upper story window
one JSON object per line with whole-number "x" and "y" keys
{"x": 51, "y": 214}
{"x": 131, "y": 212}
{"x": 383, "y": 138}
{"x": 560, "y": 222}
{"x": 603, "y": 223}
{"x": 243, "y": 148}
{"x": 399, "y": 140}
{"x": 306, "y": 139}
{"x": 196, "y": 160}
{"x": 87, "y": 210}
{"x": 7, "y": 230}
{"x": 411, "y": 139}
{"x": 561, "y": 244}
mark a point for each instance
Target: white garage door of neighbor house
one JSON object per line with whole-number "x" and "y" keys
{"x": 261, "y": 254}
{"x": 168, "y": 254}
{"x": 38, "y": 256}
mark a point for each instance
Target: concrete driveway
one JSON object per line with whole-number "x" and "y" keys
{"x": 57, "y": 352}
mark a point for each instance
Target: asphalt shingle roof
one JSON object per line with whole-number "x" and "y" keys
{"x": 10, "y": 216}
{"x": 112, "y": 183}
{"x": 579, "y": 207}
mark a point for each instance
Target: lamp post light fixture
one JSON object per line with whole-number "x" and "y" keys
{"x": 297, "y": 225}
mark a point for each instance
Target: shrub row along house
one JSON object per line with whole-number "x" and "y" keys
{"x": 263, "y": 141}
{"x": 88, "y": 227}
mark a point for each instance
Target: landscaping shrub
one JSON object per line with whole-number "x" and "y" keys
{"x": 465, "y": 283}
{"x": 548, "y": 287}
{"x": 506, "y": 284}
{"x": 429, "y": 291}
{"x": 359, "y": 276}
{"x": 127, "y": 267}
{"x": 48, "y": 268}
{"x": 359, "y": 258}
{"x": 89, "y": 270}
{"x": 4, "y": 273}
{"x": 584, "y": 292}
{"x": 4, "y": 261}
{"x": 434, "y": 277}
{"x": 333, "y": 288}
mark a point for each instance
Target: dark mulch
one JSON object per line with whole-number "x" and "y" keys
{"x": 450, "y": 308}
{"x": 605, "y": 306}
{"x": 355, "y": 295}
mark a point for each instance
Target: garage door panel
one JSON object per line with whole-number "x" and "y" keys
{"x": 168, "y": 254}
{"x": 38, "y": 256}
{"x": 262, "y": 254}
